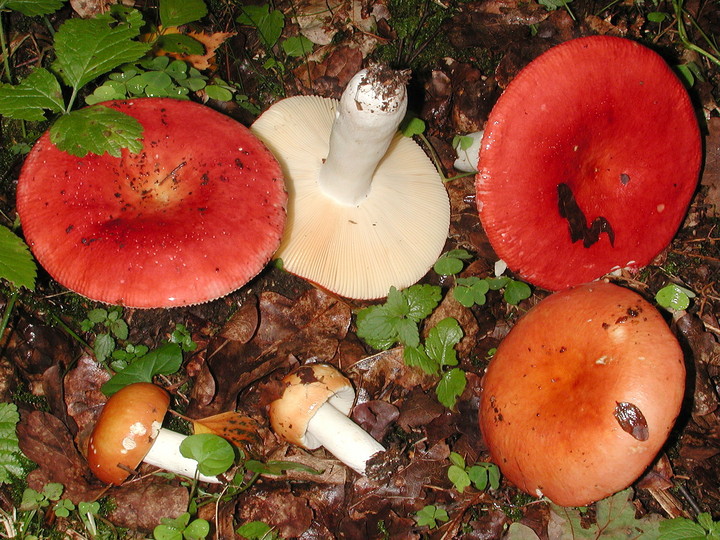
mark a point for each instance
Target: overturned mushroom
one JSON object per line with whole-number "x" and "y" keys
{"x": 129, "y": 431}
{"x": 367, "y": 208}
{"x": 194, "y": 215}
{"x": 582, "y": 394}
{"x": 313, "y": 411}
{"x": 588, "y": 162}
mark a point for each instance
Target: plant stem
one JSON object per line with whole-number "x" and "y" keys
{"x": 680, "y": 13}
{"x": 5, "y": 51}
{"x": 8, "y": 310}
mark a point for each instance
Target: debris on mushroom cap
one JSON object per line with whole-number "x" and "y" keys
{"x": 193, "y": 216}
{"x": 306, "y": 389}
{"x": 588, "y": 162}
{"x": 582, "y": 394}
{"x": 391, "y": 238}
{"x": 125, "y": 430}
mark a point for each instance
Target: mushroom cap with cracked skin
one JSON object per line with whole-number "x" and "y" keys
{"x": 306, "y": 389}
{"x": 588, "y": 162}
{"x": 194, "y": 215}
{"x": 125, "y": 431}
{"x": 582, "y": 393}
{"x": 391, "y": 239}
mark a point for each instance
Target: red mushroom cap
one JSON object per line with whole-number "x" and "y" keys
{"x": 193, "y": 216}
{"x": 126, "y": 429}
{"x": 582, "y": 394}
{"x": 588, "y": 162}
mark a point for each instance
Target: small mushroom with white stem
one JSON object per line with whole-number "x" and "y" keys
{"x": 313, "y": 411}
{"x": 129, "y": 431}
{"x": 367, "y": 209}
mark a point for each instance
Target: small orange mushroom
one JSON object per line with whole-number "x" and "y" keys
{"x": 582, "y": 394}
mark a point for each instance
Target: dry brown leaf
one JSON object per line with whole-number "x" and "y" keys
{"x": 232, "y": 426}
{"x": 210, "y": 41}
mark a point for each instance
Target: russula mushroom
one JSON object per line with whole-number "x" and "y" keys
{"x": 581, "y": 395}
{"x": 367, "y": 208}
{"x": 193, "y": 216}
{"x": 313, "y": 411}
{"x": 588, "y": 162}
{"x": 129, "y": 431}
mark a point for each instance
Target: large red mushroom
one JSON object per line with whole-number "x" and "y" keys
{"x": 193, "y": 216}
{"x": 581, "y": 395}
{"x": 588, "y": 162}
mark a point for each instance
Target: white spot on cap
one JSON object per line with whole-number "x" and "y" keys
{"x": 660, "y": 208}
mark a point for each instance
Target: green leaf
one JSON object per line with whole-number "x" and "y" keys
{"x": 219, "y": 93}
{"x": 430, "y": 515}
{"x": 180, "y": 44}
{"x": 451, "y": 386}
{"x": 97, "y": 129}
{"x": 441, "y": 341}
{"x": 178, "y": 12}
{"x": 214, "y": 454}
{"x": 16, "y": 263}
{"x": 495, "y": 284}
{"x": 422, "y": 300}
{"x": 681, "y": 529}
{"x": 614, "y": 517}
{"x": 462, "y": 142}
{"x": 164, "y": 360}
{"x": 376, "y": 326}
{"x": 552, "y": 5}
{"x": 28, "y": 100}
{"x": 33, "y": 8}
{"x": 451, "y": 262}
{"x": 269, "y": 24}
{"x": 88, "y": 48}
{"x": 9, "y": 449}
{"x": 674, "y": 297}
{"x": 459, "y": 477}
{"x": 413, "y": 126}
{"x": 457, "y": 460}
{"x": 255, "y": 530}
{"x": 297, "y": 46}
{"x": 657, "y": 16}
{"x": 516, "y": 292}
{"x": 417, "y": 357}
{"x": 103, "y": 347}
{"x": 198, "y": 529}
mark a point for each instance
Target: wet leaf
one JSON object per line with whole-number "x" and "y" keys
{"x": 240, "y": 430}
{"x": 632, "y": 420}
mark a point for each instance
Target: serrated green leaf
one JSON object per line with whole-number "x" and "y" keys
{"x": 97, "y": 315}
{"x": 16, "y": 263}
{"x": 417, "y": 357}
{"x": 165, "y": 360}
{"x": 422, "y": 300}
{"x": 97, "y": 129}
{"x": 451, "y": 386}
{"x": 178, "y": 12}
{"x": 295, "y": 46}
{"x": 441, "y": 341}
{"x": 681, "y": 529}
{"x": 28, "y": 100}
{"x": 376, "y": 327}
{"x": 269, "y": 24}
{"x": 103, "y": 347}
{"x": 9, "y": 452}
{"x": 33, "y": 8}
{"x": 88, "y": 48}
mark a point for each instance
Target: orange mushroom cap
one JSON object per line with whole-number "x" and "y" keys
{"x": 125, "y": 431}
{"x": 582, "y": 394}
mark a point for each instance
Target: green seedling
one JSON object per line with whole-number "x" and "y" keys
{"x": 429, "y": 516}
{"x": 257, "y": 530}
{"x": 63, "y": 508}
{"x": 115, "y": 328}
{"x": 181, "y": 528}
{"x": 674, "y": 297}
{"x": 684, "y": 529}
{"x": 214, "y": 454}
{"x": 165, "y": 360}
{"x": 183, "y": 337}
{"x": 481, "y": 475}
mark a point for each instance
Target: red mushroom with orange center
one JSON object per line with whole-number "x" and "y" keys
{"x": 190, "y": 218}
{"x": 588, "y": 162}
{"x": 581, "y": 395}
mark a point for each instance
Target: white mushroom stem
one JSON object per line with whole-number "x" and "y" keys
{"x": 342, "y": 437}
{"x": 467, "y": 158}
{"x": 368, "y": 116}
{"x": 165, "y": 454}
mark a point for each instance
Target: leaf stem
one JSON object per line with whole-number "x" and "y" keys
{"x": 8, "y": 310}
{"x": 5, "y": 51}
